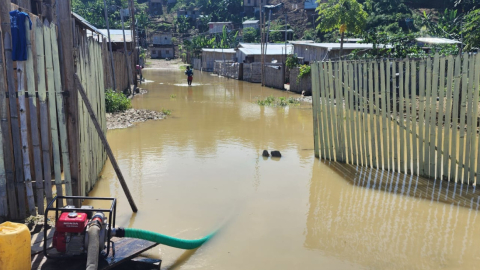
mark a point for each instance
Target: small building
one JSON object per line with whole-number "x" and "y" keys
{"x": 162, "y": 52}
{"x": 251, "y": 23}
{"x": 209, "y": 56}
{"x": 162, "y": 39}
{"x": 251, "y": 52}
{"x": 117, "y": 38}
{"x": 217, "y": 27}
{"x": 310, "y": 52}
{"x": 310, "y": 4}
{"x": 191, "y": 13}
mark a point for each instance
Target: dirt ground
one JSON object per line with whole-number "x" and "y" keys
{"x": 164, "y": 64}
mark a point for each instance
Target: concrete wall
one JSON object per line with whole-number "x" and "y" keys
{"x": 304, "y": 84}
{"x": 252, "y": 72}
{"x": 229, "y": 70}
{"x": 274, "y": 76}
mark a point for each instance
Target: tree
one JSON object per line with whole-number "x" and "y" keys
{"x": 471, "y": 30}
{"x": 345, "y": 15}
{"x": 251, "y": 35}
{"x": 388, "y": 15}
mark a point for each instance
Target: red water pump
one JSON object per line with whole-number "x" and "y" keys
{"x": 77, "y": 230}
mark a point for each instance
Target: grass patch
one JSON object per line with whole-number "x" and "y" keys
{"x": 183, "y": 67}
{"x": 173, "y": 96}
{"x": 281, "y": 101}
{"x": 116, "y": 102}
{"x": 166, "y": 111}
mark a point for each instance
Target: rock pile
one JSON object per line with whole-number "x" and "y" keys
{"x": 131, "y": 116}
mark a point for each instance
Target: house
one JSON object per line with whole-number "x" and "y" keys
{"x": 249, "y": 5}
{"x": 209, "y": 56}
{"x": 250, "y": 52}
{"x": 251, "y": 23}
{"x": 191, "y": 13}
{"x": 163, "y": 52}
{"x": 310, "y": 52}
{"x": 162, "y": 39}
{"x": 217, "y": 27}
{"x": 117, "y": 38}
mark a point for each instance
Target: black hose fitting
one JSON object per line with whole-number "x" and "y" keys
{"x": 118, "y": 232}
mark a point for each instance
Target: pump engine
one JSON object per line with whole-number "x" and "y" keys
{"x": 79, "y": 229}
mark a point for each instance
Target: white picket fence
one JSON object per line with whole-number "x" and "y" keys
{"x": 412, "y": 116}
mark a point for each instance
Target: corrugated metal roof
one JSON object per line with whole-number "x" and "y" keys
{"x": 219, "y": 50}
{"x": 300, "y": 41}
{"x": 85, "y": 23}
{"x": 271, "y": 50}
{"x": 347, "y": 46}
{"x": 117, "y": 34}
{"x": 311, "y": 4}
{"x": 251, "y": 21}
{"x": 434, "y": 40}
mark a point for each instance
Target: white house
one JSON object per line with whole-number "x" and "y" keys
{"x": 323, "y": 51}
{"x": 251, "y": 52}
{"x": 217, "y": 27}
{"x": 251, "y": 23}
{"x": 162, "y": 39}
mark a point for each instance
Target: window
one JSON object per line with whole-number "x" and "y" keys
{"x": 167, "y": 51}
{"x": 154, "y": 52}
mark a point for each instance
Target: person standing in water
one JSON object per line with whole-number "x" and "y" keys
{"x": 189, "y": 73}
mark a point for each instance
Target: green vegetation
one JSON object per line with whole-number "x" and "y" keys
{"x": 116, "y": 102}
{"x": 173, "y": 96}
{"x": 251, "y": 35}
{"x": 344, "y": 15}
{"x": 220, "y": 11}
{"x": 166, "y": 112}
{"x": 472, "y": 29}
{"x": 305, "y": 70}
{"x": 292, "y": 61}
{"x": 281, "y": 101}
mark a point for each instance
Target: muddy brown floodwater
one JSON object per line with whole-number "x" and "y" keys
{"x": 202, "y": 168}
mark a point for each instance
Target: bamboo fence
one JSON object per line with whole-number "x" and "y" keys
{"x": 410, "y": 116}
{"x": 35, "y": 158}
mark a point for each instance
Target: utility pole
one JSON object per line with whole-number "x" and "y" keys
{"x": 129, "y": 67}
{"x": 114, "y": 84}
{"x": 134, "y": 43}
{"x": 286, "y": 54}
{"x": 262, "y": 32}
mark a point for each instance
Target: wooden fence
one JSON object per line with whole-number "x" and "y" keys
{"x": 90, "y": 71}
{"x": 36, "y": 161}
{"x": 413, "y": 116}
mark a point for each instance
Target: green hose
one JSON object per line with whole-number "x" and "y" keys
{"x": 165, "y": 239}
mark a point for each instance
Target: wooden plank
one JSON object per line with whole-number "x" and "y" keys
{"x": 52, "y": 108}
{"x": 333, "y": 114}
{"x": 42, "y": 98}
{"x": 413, "y": 114}
{"x": 340, "y": 109}
{"x": 319, "y": 112}
{"x": 61, "y": 116}
{"x": 383, "y": 97}
{"x": 4, "y": 176}
{"x": 472, "y": 120}
{"x": 71, "y": 103}
{"x": 461, "y": 120}
{"x": 363, "y": 66}
{"x": 37, "y": 151}
{"x": 477, "y": 80}
{"x": 377, "y": 94}
{"x": 345, "y": 88}
{"x": 448, "y": 118}
{"x": 396, "y": 158}
{"x": 327, "y": 127}
{"x": 389, "y": 116}
{"x": 372, "y": 116}
{"x": 24, "y": 137}
{"x": 401, "y": 118}
{"x": 408, "y": 121}
{"x": 440, "y": 125}
{"x": 351, "y": 89}
{"x": 125, "y": 250}
{"x": 106, "y": 145}
{"x": 456, "y": 100}
{"x": 315, "y": 96}
{"x": 433, "y": 115}
{"x": 15, "y": 128}
{"x": 428, "y": 95}
{"x": 421, "y": 115}
{"x": 358, "y": 115}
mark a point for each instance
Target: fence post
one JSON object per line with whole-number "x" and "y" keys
{"x": 315, "y": 97}
{"x": 65, "y": 41}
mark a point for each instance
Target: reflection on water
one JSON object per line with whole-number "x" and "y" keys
{"x": 202, "y": 168}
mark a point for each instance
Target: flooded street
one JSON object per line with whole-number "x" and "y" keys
{"x": 201, "y": 169}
